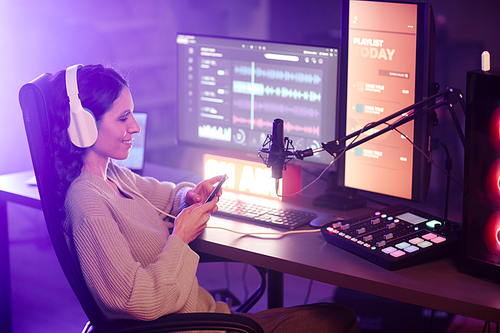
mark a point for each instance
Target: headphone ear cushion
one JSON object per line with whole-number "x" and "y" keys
{"x": 82, "y": 128}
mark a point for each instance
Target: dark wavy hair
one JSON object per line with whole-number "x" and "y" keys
{"x": 98, "y": 88}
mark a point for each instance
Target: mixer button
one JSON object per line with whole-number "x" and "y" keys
{"x": 390, "y": 225}
{"x": 402, "y": 245}
{"x": 381, "y": 243}
{"x": 438, "y": 239}
{"x": 397, "y": 254}
{"x": 389, "y": 249}
{"x": 388, "y": 236}
{"x": 411, "y": 248}
{"x": 345, "y": 226}
{"x": 424, "y": 244}
{"x": 429, "y": 236}
{"x": 416, "y": 240}
{"x": 376, "y": 221}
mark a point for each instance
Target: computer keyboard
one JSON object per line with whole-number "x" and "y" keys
{"x": 266, "y": 212}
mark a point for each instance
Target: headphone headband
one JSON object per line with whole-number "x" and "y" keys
{"x": 82, "y": 128}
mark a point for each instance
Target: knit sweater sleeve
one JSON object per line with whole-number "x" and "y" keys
{"x": 131, "y": 264}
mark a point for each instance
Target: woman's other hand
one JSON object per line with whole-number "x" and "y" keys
{"x": 202, "y": 191}
{"x": 193, "y": 220}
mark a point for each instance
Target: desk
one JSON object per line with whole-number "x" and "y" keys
{"x": 13, "y": 188}
{"x": 436, "y": 285}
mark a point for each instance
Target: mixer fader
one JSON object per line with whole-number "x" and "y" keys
{"x": 394, "y": 237}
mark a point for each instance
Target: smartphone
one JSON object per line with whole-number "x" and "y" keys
{"x": 216, "y": 189}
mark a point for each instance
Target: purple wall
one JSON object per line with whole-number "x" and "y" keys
{"x": 135, "y": 37}
{"x": 138, "y": 39}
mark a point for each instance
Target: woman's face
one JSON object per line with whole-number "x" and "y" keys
{"x": 117, "y": 128}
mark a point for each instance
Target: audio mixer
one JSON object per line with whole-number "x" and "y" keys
{"x": 395, "y": 237}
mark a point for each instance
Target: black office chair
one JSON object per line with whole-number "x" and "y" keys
{"x": 32, "y": 98}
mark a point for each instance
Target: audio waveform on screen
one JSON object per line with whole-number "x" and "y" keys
{"x": 276, "y": 74}
{"x": 214, "y": 132}
{"x": 259, "y": 89}
{"x": 284, "y": 92}
{"x": 288, "y": 126}
{"x": 312, "y": 130}
{"x": 272, "y": 107}
{"x": 260, "y": 123}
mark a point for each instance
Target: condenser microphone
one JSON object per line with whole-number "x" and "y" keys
{"x": 276, "y": 156}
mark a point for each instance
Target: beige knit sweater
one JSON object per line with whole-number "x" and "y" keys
{"x": 133, "y": 267}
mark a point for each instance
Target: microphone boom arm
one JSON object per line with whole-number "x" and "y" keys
{"x": 450, "y": 97}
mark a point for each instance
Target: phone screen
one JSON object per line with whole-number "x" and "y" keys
{"x": 216, "y": 189}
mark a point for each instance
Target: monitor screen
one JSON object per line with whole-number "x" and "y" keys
{"x": 230, "y": 91}
{"x": 387, "y": 51}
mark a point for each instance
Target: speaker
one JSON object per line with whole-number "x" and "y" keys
{"x": 480, "y": 250}
{"x": 82, "y": 128}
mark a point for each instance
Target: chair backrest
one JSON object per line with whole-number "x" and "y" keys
{"x": 33, "y": 98}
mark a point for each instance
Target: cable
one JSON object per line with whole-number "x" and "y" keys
{"x": 447, "y": 171}
{"x": 254, "y": 234}
{"x": 325, "y": 170}
{"x": 486, "y": 325}
{"x": 138, "y": 194}
{"x": 237, "y": 232}
{"x": 228, "y": 279}
{"x": 306, "y": 300}
{"x": 431, "y": 320}
{"x": 448, "y": 164}
{"x": 427, "y": 157}
{"x": 244, "y": 280}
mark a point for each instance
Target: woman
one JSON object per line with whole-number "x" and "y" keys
{"x": 117, "y": 221}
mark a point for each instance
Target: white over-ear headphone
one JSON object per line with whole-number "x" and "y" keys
{"x": 82, "y": 128}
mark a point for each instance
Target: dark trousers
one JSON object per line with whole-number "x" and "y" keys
{"x": 314, "y": 318}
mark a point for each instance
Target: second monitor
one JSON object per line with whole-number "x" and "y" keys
{"x": 387, "y": 65}
{"x": 230, "y": 90}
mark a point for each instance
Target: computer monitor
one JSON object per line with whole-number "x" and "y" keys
{"x": 387, "y": 57}
{"x": 230, "y": 90}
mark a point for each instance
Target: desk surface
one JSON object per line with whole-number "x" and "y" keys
{"x": 436, "y": 284}
{"x": 14, "y": 187}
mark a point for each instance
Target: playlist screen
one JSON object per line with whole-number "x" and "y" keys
{"x": 381, "y": 81}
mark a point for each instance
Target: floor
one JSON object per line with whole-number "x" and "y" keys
{"x": 42, "y": 300}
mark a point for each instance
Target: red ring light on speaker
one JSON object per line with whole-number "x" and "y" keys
{"x": 491, "y": 234}
{"x": 493, "y": 182}
{"x": 494, "y": 131}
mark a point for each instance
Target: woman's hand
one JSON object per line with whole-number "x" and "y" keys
{"x": 201, "y": 192}
{"x": 193, "y": 220}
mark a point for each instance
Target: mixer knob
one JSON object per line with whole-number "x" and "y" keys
{"x": 367, "y": 238}
{"x": 360, "y": 231}
{"x": 337, "y": 225}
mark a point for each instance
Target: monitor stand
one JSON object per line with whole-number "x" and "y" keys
{"x": 339, "y": 197}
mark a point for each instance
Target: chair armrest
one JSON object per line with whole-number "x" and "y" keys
{"x": 182, "y": 322}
